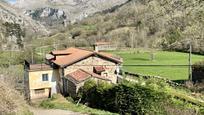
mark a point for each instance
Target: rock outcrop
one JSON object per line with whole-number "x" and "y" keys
{"x": 10, "y": 16}
{"x": 52, "y": 12}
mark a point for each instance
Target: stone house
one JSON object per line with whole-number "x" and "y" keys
{"x": 104, "y": 46}
{"x": 70, "y": 68}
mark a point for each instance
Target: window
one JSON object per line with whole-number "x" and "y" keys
{"x": 39, "y": 91}
{"x": 44, "y": 77}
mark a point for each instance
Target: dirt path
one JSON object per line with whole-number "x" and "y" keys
{"x": 38, "y": 111}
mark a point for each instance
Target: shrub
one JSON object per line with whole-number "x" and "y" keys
{"x": 198, "y": 71}
{"x": 99, "y": 95}
{"x": 137, "y": 99}
{"x": 125, "y": 98}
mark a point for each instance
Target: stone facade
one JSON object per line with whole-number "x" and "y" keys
{"x": 89, "y": 63}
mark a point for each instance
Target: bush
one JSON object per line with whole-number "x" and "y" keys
{"x": 125, "y": 98}
{"x": 138, "y": 99}
{"x": 198, "y": 71}
{"x": 99, "y": 95}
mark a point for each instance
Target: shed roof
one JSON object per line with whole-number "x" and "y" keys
{"x": 37, "y": 67}
{"x": 81, "y": 75}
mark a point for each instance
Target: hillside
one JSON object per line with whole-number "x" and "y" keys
{"x": 146, "y": 23}
{"x": 13, "y": 24}
{"x": 11, "y": 102}
{"x": 27, "y": 20}
{"x": 54, "y": 13}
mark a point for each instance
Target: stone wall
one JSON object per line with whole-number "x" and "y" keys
{"x": 89, "y": 63}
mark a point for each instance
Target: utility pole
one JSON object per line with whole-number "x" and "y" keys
{"x": 190, "y": 62}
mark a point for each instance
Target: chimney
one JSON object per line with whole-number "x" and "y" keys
{"x": 96, "y": 47}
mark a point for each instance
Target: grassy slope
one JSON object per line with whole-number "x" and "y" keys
{"x": 161, "y": 58}
{"x": 59, "y": 102}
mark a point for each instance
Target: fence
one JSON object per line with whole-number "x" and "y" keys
{"x": 170, "y": 82}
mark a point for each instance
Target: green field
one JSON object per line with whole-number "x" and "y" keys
{"x": 161, "y": 58}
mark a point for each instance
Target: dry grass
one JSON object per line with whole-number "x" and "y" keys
{"x": 59, "y": 102}
{"x": 11, "y": 102}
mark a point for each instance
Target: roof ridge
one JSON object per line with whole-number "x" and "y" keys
{"x": 78, "y": 54}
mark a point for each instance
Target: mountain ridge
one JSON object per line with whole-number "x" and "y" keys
{"x": 13, "y": 16}
{"x": 74, "y": 10}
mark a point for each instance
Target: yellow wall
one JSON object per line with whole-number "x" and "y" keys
{"x": 35, "y": 79}
{"x": 35, "y": 82}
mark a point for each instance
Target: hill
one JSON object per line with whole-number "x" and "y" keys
{"x": 11, "y": 102}
{"x": 146, "y": 23}
{"x": 54, "y": 13}
{"x": 14, "y": 25}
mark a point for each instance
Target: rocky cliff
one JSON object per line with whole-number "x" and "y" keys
{"x": 17, "y": 27}
{"x": 54, "y": 12}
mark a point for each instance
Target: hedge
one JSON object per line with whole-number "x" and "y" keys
{"x": 125, "y": 98}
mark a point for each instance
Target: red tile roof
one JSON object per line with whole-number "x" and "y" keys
{"x": 98, "y": 76}
{"x": 73, "y": 55}
{"x": 82, "y": 75}
{"x": 79, "y": 75}
{"x": 35, "y": 67}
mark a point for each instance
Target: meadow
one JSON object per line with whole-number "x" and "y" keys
{"x": 141, "y": 57}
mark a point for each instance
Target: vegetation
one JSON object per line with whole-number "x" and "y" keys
{"x": 144, "y": 23}
{"x": 11, "y": 102}
{"x": 150, "y": 96}
{"x": 197, "y": 76}
{"x": 13, "y": 29}
{"x": 142, "y": 57}
{"x": 59, "y": 102}
{"x": 139, "y": 23}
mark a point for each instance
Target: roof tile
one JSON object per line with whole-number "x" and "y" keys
{"x": 72, "y": 55}
{"x": 81, "y": 75}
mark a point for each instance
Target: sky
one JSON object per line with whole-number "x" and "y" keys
{"x": 11, "y": 1}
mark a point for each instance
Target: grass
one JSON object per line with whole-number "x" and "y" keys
{"x": 180, "y": 97}
{"x": 161, "y": 58}
{"x": 24, "y": 111}
{"x": 59, "y": 102}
